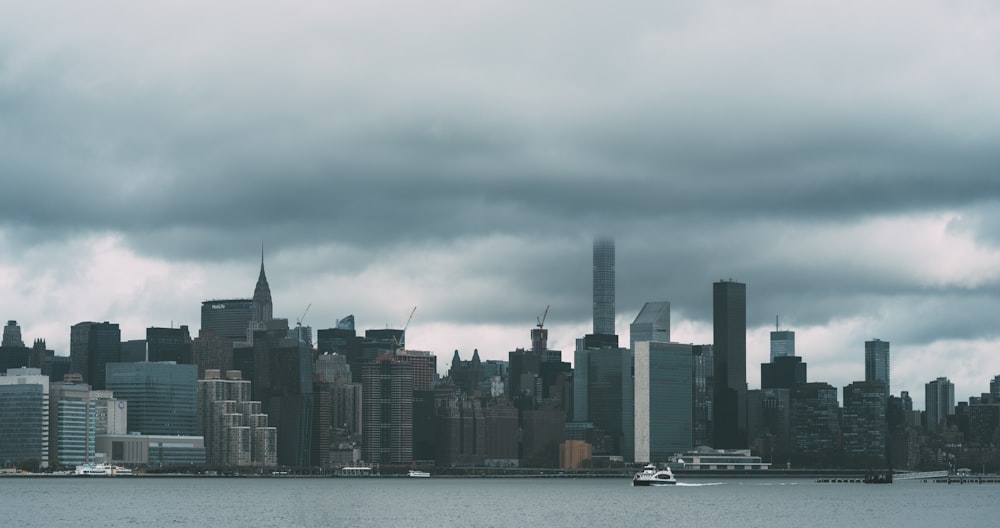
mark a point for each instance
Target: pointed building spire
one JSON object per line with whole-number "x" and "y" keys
{"x": 262, "y": 305}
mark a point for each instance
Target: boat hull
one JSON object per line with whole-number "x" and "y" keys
{"x": 653, "y": 483}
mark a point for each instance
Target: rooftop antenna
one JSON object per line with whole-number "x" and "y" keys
{"x": 776, "y": 327}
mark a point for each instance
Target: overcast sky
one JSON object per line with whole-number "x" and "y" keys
{"x": 460, "y": 156}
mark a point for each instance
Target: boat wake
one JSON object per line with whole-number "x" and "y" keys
{"x": 697, "y": 484}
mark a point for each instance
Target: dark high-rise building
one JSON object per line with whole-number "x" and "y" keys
{"x": 877, "y": 362}
{"x": 524, "y": 370}
{"x": 24, "y": 418}
{"x": 467, "y": 374}
{"x": 543, "y": 430}
{"x": 169, "y": 344}
{"x": 13, "y": 353}
{"x": 782, "y": 344}
{"x": 769, "y": 423}
{"x": 815, "y": 434}
{"x": 134, "y": 351}
{"x": 424, "y": 368}
{"x": 387, "y": 385}
{"x": 228, "y": 318}
{"x": 729, "y": 309}
{"x": 162, "y": 397}
{"x": 91, "y": 347}
{"x": 211, "y": 352}
{"x": 343, "y": 341}
{"x": 864, "y": 429}
{"x": 939, "y": 399}
{"x": 12, "y": 335}
{"x": 283, "y": 383}
{"x": 604, "y": 286}
{"x": 610, "y": 396}
{"x": 783, "y": 372}
{"x": 461, "y": 431}
{"x": 702, "y": 375}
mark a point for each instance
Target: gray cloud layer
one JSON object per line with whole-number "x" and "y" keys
{"x": 795, "y": 147}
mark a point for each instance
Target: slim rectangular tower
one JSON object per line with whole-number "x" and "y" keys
{"x": 729, "y": 310}
{"x": 604, "y": 286}
{"x": 663, "y": 394}
{"x": 877, "y": 362}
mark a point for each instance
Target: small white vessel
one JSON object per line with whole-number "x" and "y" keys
{"x": 418, "y": 474}
{"x": 102, "y": 470}
{"x": 650, "y": 476}
{"x": 354, "y": 471}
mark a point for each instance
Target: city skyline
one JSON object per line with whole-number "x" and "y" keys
{"x": 839, "y": 160}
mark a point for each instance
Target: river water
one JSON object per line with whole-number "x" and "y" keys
{"x": 502, "y": 502}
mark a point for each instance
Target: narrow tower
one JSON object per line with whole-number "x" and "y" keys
{"x": 729, "y": 307}
{"x": 604, "y": 286}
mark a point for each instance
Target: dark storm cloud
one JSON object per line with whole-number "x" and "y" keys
{"x": 462, "y": 157}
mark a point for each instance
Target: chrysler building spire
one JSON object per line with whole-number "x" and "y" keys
{"x": 262, "y": 307}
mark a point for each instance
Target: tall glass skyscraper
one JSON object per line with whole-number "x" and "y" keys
{"x": 877, "y": 362}
{"x": 604, "y": 286}
{"x": 729, "y": 310}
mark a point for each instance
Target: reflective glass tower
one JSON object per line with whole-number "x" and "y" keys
{"x": 877, "y": 362}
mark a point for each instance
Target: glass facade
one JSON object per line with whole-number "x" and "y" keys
{"x": 162, "y": 397}
{"x": 75, "y": 432}
{"x": 24, "y": 417}
{"x": 663, "y": 400}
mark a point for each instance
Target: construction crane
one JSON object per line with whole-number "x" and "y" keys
{"x": 402, "y": 342}
{"x": 298, "y": 322}
{"x": 541, "y": 320}
{"x": 410, "y": 318}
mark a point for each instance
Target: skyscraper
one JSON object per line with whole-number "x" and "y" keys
{"x": 228, "y": 318}
{"x": 162, "y": 397}
{"x": 604, "y": 286}
{"x": 864, "y": 428}
{"x": 169, "y": 344}
{"x": 91, "y": 347}
{"x": 388, "y": 411}
{"x": 939, "y": 398}
{"x": 729, "y": 310}
{"x": 652, "y": 324}
{"x": 24, "y": 418}
{"x": 782, "y": 343}
{"x": 262, "y": 306}
{"x": 12, "y": 335}
{"x": 877, "y": 362}
{"x": 663, "y": 394}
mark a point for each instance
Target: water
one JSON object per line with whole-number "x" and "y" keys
{"x": 454, "y": 502}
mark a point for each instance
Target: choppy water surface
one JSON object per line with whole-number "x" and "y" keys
{"x": 249, "y": 502}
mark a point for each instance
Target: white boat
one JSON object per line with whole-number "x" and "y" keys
{"x": 354, "y": 471}
{"x": 102, "y": 470}
{"x": 650, "y": 476}
{"x": 418, "y": 474}
{"x": 95, "y": 470}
